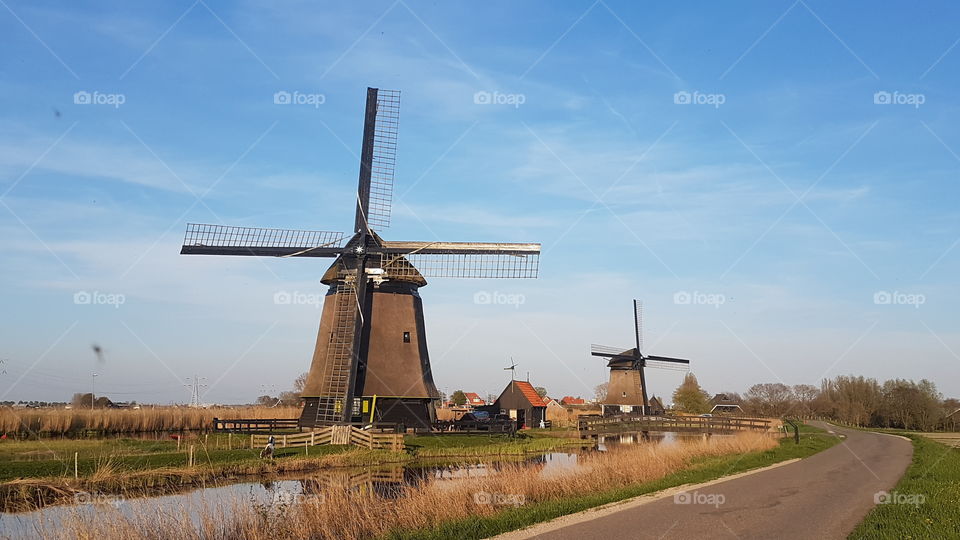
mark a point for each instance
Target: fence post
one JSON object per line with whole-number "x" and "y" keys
{"x": 76, "y": 473}
{"x": 284, "y": 441}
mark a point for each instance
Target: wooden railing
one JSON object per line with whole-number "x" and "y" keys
{"x": 252, "y": 425}
{"x": 592, "y": 425}
{"x": 345, "y": 435}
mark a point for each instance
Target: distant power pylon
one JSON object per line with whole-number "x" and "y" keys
{"x": 194, "y": 386}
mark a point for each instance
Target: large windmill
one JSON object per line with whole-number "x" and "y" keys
{"x": 627, "y": 390}
{"x": 370, "y": 363}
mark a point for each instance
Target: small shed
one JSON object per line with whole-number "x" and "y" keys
{"x": 656, "y": 407}
{"x": 522, "y": 403}
{"x": 724, "y": 404}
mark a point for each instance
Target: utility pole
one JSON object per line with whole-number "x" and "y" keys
{"x": 93, "y": 390}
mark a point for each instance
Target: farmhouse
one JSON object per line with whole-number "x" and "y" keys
{"x": 522, "y": 403}
{"x": 724, "y": 404}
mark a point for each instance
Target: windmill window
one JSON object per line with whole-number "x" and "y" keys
{"x": 406, "y": 337}
{"x": 623, "y": 394}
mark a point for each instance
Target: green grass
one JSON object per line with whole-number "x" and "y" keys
{"x": 934, "y": 474}
{"x": 484, "y": 445}
{"x": 812, "y": 440}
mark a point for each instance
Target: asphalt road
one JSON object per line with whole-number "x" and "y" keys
{"x": 823, "y": 496}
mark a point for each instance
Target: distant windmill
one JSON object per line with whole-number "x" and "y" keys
{"x": 628, "y": 384}
{"x": 370, "y": 362}
{"x": 512, "y": 369}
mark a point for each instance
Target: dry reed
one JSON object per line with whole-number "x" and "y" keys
{"x": 339, "y": 513}
{"x": 67, "y": 421}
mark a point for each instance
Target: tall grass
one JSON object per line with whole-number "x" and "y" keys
{"x": 339, "y": 513}
{"x": 69, "y": 421}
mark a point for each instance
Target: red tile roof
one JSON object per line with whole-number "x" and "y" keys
{"x": 528, "y": 392}
{"x": 570, "y": 400}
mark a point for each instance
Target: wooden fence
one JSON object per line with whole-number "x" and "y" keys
{"x": 595, "y": 425}
{"x": 252, "y": 425}
{"x": 345, "y": 435}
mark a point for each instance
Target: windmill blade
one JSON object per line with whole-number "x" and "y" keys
{"x": 384, "y": 158}
{"x": 461, "y": 248}
{"x": 465, "y": 259}
{"x": 667, "y": 366}
{"x": 638, "y": 322}
{"x": 666, "y": 359}
{"x": 607, "y": 351}
{"x": 202, "y": 239}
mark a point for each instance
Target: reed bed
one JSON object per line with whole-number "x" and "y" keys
{"x": 339, "y": 513}
{"x": 70, "y": 421}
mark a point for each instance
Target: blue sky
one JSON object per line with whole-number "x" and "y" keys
{"x": 795, "y": 220}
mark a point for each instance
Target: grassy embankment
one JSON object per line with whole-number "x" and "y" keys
{"x": 934, "y": 475}
{"x": 462, "y": 509}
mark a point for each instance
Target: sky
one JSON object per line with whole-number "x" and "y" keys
{"x": 775, "y": 180}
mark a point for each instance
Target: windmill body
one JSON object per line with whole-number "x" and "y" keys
{"x": 627, "y": 387}
{"x": 370, "y": 362}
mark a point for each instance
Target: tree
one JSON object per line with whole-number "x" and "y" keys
{"x": 805, "y": 396}
{"x": 290, "y": 398}
{"x": 690, "y": 397}
{"x": 299, "y": 383}
{"x": 769, "y": 399}
{"x": 458, "y": 397}
{"x": 266, "y": 401}
{"x": 541, "y": 391}
{"x": 600, "y": 391}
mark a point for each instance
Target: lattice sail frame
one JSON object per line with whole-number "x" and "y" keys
{"x": 203, "y": 235}
{"x": 462, "y": 265}
{"x": 384, "y": 161}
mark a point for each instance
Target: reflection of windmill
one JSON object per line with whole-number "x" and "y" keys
{"x": 627, "y": 391}
{"x": 512, "y": 369}
{"x": 370, "y": 362}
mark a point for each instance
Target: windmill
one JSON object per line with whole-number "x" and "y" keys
{"x": 370, "y": 362}
{"x": 627, "y": 390}
{"x": 512, "y": 369}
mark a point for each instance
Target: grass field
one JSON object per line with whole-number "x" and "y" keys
{"x": 926, "y": 501}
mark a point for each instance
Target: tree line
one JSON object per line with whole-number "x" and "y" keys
{"x": 862, "y": 401}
